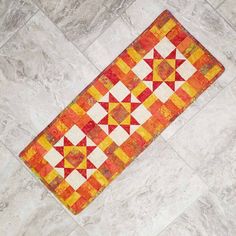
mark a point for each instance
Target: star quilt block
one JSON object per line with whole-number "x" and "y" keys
{"x": 121, "y": 112}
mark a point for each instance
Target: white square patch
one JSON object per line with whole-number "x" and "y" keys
{"x": 165, "y": 47}
{"x": 53, "y": 157}
{"x": 97, "y": 157}
{"x": 119, "y": 135}
{"x": 142, "y": 69}
{"x": 163, "y": 92}
{"x": 97, "y": 112}
{"x": 141, "y": 114}
{"x": 186, "y": 70}
{"x": 119, "y": 91}
{"x": 75, "y": 179}
{"x": 75, "y": 135}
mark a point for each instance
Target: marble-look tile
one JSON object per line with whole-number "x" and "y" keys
{"x": 110, "y": 44}
{"x": 200, "y": 19}
{"x": 215, "y": 3}
{"x": 79, "y": 231}
{"x": 207, "y": 216}
{"x": 26, "y": 207}
{"x": 13, "y": 15}
{"x": 228, "y": 10}
{"x": 207, "y": 144}
{"x": 80, "y": 20}
{"x": 145, "y": 198}
{"x": 43, "y": 72}
{"x": 117, "y": 6}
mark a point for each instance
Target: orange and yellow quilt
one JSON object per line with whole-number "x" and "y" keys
{"x": 120, "y": 113}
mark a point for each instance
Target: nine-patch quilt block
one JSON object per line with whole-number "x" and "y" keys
{"x": 119, "y": 114}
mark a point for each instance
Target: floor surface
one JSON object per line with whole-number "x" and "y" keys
{"x": 183, "y": 184}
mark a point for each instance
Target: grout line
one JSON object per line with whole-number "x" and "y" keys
{"x": 184, "y": 210}
{"x": 44, "y": 13}
{"x": 19, "y": 29}
{"x": 220, "y": 15}
{"x": 106, "y": 28}
{"x": 83, "y": 51}
{"x": 38, "y": 181}
{"x": 191, "y": 118}
{"x": 208, "y": 188}
{"x": 219, "y": 5}
{"x": 212, "y": 84}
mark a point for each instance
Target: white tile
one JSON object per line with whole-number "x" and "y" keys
{"x": 13, "y": 15}
{"x": 207, "y": 144}
{"x": 79, "y": 231}
{"x": 26, "y": 206}
{"x": 228, "y": 10}
{"x": 164, "y": 47}
{"x": 145, "y": 198}
{"x": 110, "y": 44}
{"x": 97, "y": 157}
{"x": 186, "y": 70}
{"x": 75, "y": 134}
{"x": 142, "y": 69}
{"x": 43, "y": 72}
{"x": 141, "y": 114}
{"x": 200, "y": 19}
{"x": 207, "y": 216}
{"x": 215, "y": 3}
{"x": 75, "y": 179}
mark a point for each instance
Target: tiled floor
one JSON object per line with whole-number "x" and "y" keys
{"x": 183, "y": 184}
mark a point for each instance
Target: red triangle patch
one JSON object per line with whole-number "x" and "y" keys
{"x": 60, "y": 164}
{"x": 111, "y": 128}
{"x": 67, "y": 171}
{"x": 126, "y": 128}
{"x": 90, "y": 165}
{"x": 90, "y": 149}
{"x": 157, "y": 55}
{"x": 149, "y": 62}
{"x": 178, "y": 77}
{"x": 67, "y": 142}
{"x": 156, "y": 84}
{"x": 127, "y": 98}
{"x": 112, "y": 98}
{"x": 179, "y": 62}
{"x": 134, "y": 105}
{"x": 60, "y": 150}
{"x": 133, "y": 121}
{"x": 83, "y": 142}
{"x": 149, "y": 77}
{"x": 83, "y": 172}
{"x": 172, "y": 55}
{"x": 171, "y": 84}
{"x": 104, "y": 120}
{"x": 105, "y": 105}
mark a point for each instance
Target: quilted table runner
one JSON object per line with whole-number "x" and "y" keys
{"x": 120, "y": 113}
